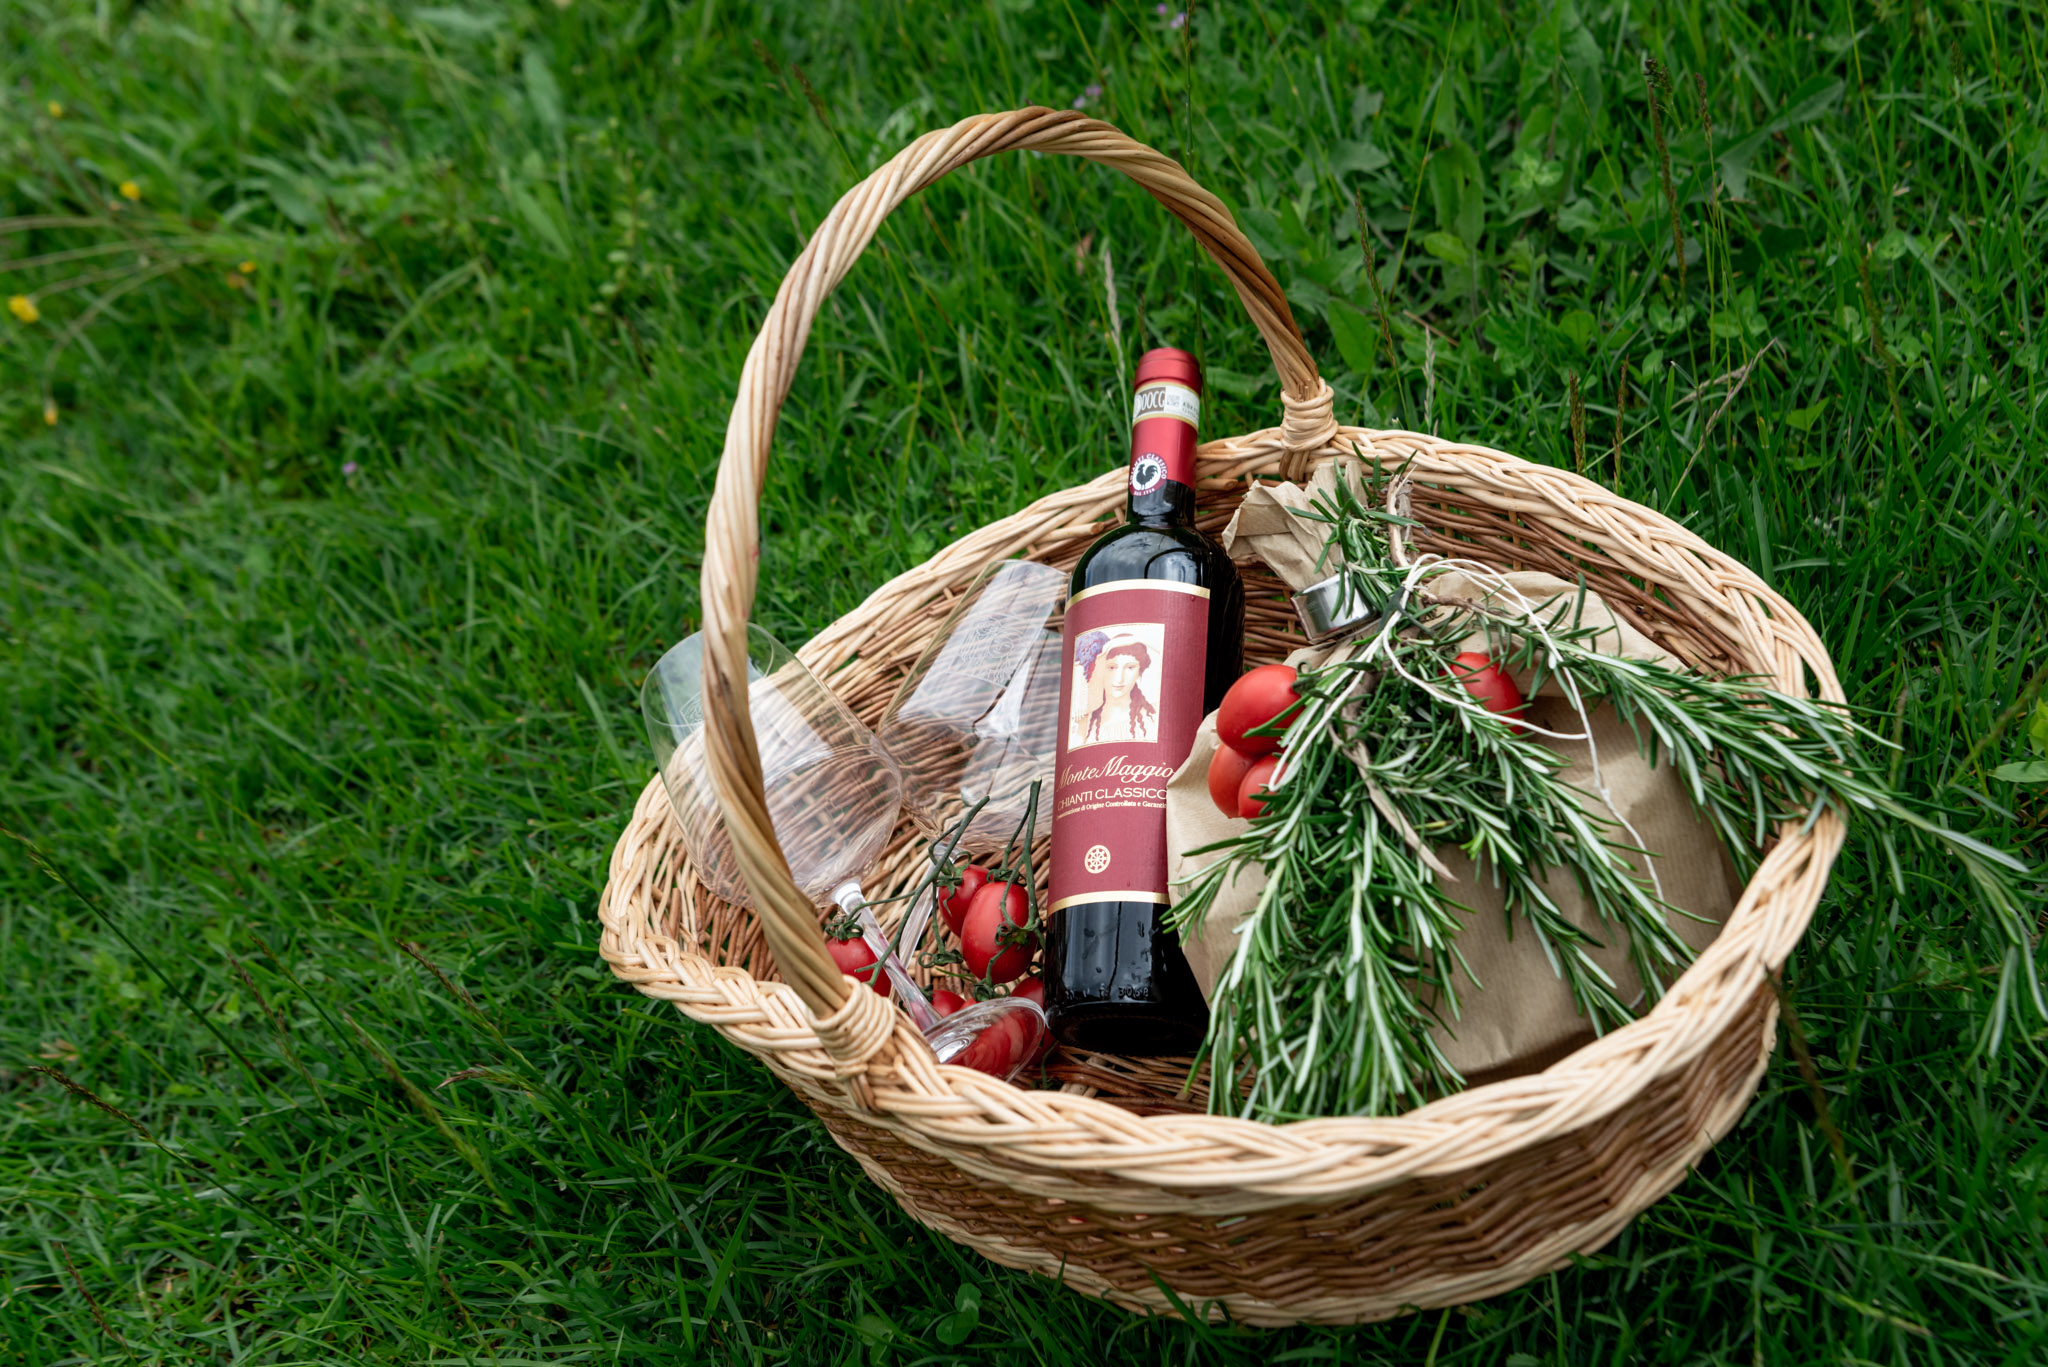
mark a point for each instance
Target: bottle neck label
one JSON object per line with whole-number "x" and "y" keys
{"x": 1136, "y": 656}
{"x": 1164, "y": 419}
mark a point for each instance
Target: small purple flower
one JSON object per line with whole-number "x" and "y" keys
{"x": 1094, "y": 90}
{"x": 1160, "y": 10}
{"x": 1080, "y": 102}
{"x": 349, "y": 468}
{"x": 1178, "y": 21}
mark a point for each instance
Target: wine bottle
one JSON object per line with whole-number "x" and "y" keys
{"x": 1154, "y": 635}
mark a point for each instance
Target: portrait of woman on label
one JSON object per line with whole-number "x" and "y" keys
{"x": 1116, "y": 683}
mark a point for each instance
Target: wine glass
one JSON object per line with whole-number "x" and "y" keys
{"x": 975, "y": 724}
{"x": 833, "y": 794}
{"x": 833, "y": 791}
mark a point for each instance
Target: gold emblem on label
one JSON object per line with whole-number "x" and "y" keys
{"x": 1097, "y": 858}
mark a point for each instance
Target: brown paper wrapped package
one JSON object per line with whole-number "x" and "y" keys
{"x": 1518, "y": 1016}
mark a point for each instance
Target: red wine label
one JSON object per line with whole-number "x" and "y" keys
{"x": 1164, "y": 416}
{"x": 1136, "y": 654}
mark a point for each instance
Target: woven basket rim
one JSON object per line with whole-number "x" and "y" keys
{"x": 1053, "y": 1134}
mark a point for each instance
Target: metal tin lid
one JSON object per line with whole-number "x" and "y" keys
{"x": 1331, "y": 606}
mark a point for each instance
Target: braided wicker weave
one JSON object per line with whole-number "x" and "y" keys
{"x": 1116, "y": 1179}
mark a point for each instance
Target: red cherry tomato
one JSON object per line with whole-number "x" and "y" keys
{"x": 1017, "y": 1028}
{"x": 1014, "y": 1039}
{"x": 1263, "y": 774}
{"x": 1030, "y": 989}
{"x": 1253, "y": 701}
{"x": 856, "y": 960}
{"x": 988, "y": 958}
{"x": 1034, "y": 1039}
{"x": 946, "y": 1001}
{"x": 1490, "y": 684}
{"x": 1226, "y": 775}
{"x": 953, "y": 908}
{"x": 994, "y": 1051}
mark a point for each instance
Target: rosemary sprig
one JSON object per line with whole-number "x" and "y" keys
{"x": 1347, "y": 957}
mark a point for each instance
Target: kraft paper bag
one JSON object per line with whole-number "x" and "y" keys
{"x": 1518, "y": 1015}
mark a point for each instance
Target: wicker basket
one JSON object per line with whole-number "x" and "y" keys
{"x": 1114, "y": 1184}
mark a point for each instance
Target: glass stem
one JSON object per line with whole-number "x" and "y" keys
{"x": 849, "y": 896}
{"x": 920, "y": 916}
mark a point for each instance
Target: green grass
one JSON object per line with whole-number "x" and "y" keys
{"x": 325, "y": 599}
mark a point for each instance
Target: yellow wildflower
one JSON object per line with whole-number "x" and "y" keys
{"x": 23, "y": 307}
{"x": 130, "y": 190}
{"x": 56, "y": 110}
{"x": 247, "y": 268}
{"x": 49, "y": 412}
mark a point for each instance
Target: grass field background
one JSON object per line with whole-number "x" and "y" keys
{"x": 359, "y": 409}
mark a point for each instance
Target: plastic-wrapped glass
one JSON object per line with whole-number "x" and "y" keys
{"x": 834, "y": 795}
{"x": 833, "y": 791}
{"x": 977, "y": 718}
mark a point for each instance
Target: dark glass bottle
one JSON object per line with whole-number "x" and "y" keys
{"x": 1154, "y": 636}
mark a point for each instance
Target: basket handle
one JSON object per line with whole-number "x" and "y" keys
{"x": 733, "y": 536}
